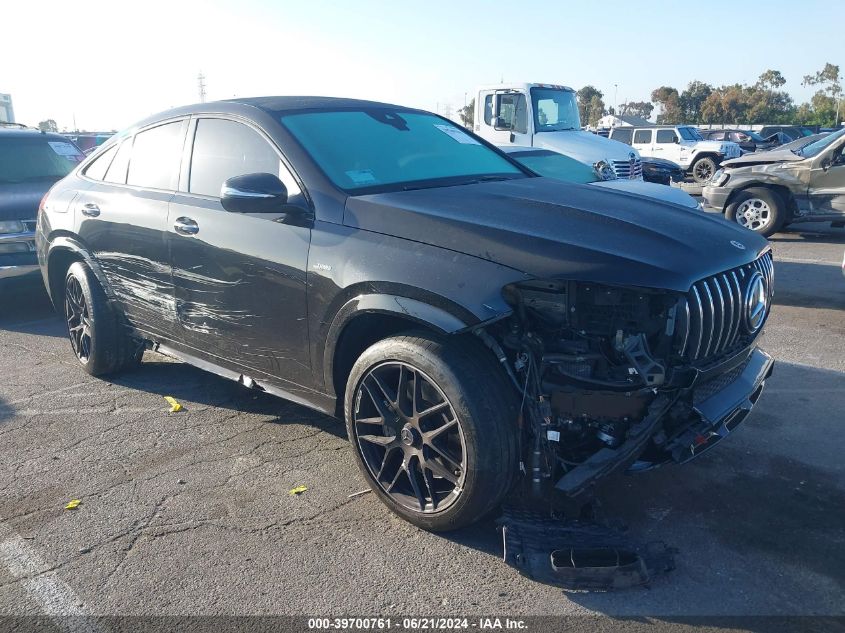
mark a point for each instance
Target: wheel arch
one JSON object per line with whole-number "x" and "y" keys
{"x": 369, "y": 318}
{"x": 65, "y": 250}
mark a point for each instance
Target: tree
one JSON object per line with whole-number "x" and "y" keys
{"x": 467, "y": 114}
{"x": 48, "y": 126}
{"x": 636, "y": 108}
{"x": 692, "y": 99}
{"x": 830, "y": 80}
{"x": 590, "y": 105}
{"x": 670, "y": 105}
{"x": 770, "y": 80}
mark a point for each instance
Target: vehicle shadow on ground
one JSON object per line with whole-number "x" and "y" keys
{"x": 26, "y": 308}
{"x": 809, "y": 285}
{"x": 811, "y": 232}
{"x": 767, "y": 500}
{"x": 187, "y": 384}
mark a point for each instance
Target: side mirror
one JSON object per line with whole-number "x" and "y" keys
{"x": 254, "y": 193}
{"x": 677, "y": 141}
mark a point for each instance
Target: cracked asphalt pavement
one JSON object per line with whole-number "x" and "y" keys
{"x": 189, "y": 513}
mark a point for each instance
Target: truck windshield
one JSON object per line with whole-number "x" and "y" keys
{"x": 365, "y": 151}
{"x": 554, "y": 110}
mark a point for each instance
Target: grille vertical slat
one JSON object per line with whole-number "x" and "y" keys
{"x": 718, "y": 311}
{"x": 708, "y": 318}
{"x": 723, "y": 282}
{"x": 698, "y": 316}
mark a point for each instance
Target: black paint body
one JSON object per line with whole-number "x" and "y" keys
{"x": 270, "y": 296}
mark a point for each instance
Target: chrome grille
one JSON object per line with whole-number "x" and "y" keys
{"x": 623, "y": 168}
{"x": 712, "y": 312}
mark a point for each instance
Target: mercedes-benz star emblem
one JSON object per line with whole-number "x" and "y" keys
{"x": 738, "y": 245}
{"x": 756, "y": 303}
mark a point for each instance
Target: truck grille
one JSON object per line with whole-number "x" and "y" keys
{"x": 712, "y": 320}
{"x": 628, "y": 169}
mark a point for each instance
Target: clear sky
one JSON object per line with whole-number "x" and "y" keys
{"x": 110, "y": 63}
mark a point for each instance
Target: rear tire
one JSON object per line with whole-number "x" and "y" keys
{"x": 758, "y": 209}
{"x": 98, "y": 337}
{"x": 472, "y": 432}
{"x": 703, "y": 169}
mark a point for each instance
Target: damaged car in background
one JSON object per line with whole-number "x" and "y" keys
{"x": 769, "y": 190}
{"x": 490, "y": 336}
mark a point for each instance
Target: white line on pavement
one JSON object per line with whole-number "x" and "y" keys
{"x": 54, "y": 596}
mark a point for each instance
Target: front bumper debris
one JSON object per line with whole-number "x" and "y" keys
{"x": 720, "y": 405}
{"x": 579, "y": 555}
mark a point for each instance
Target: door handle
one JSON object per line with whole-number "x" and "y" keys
{"x": 90, "y": 209}
{"x": 186, "y": 226}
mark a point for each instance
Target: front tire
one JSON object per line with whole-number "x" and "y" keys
{"x": 758, "y": 209}
{"x": 97, "y": 335}
{"x": 433, "y": 425}
{"x": 703, "y": 169}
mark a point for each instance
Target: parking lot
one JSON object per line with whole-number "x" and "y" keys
{"x": 190, "y": 513}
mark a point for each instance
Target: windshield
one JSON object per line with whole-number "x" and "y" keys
{"x": 558, "y": 166}
{"x": 379, "y": 149}
{"x": 690, "y": 134}
{"x": 814, "y": 149}
{"x": 36, "y": 158}
{"x": 554, "y": 110}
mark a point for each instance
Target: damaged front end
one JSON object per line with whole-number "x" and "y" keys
{"x": 616, "y": 377}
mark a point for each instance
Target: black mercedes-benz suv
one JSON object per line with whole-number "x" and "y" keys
{"x": 483, "y": 331}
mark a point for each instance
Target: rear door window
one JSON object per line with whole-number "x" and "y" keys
{"x": 666, "y": 136}
{"x": 642, "y": 137}
{"x": 156, "y": 156}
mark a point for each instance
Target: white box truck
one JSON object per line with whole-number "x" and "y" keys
{"x": 546, "y": 116}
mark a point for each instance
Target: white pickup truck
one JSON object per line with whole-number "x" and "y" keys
{"x": 682, "y": 144}
{"x": 546, "y": 116}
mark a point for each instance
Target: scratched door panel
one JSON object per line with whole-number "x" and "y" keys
{"x": 239, "y": 288}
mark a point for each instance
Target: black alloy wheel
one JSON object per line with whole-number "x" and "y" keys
{"x": 78, "y": 319}
{"x": 410, "y": 437}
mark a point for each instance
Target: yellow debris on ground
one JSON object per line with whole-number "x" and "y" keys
{"x": 298, "y": 490}
{"x": 72, "y": 504}
{"x": 174, "y": 405}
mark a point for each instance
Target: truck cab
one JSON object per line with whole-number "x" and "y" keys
{"x": 546, "y": 116}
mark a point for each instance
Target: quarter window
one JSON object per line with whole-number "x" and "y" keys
{"x": 666, "y": 136}
{"x": 117, "y": 170}
{"x": 642, "y": 136}
{"x": 223, "y": 149}
{"x": 97, "y": 169}
{"x": 156, "y": 156}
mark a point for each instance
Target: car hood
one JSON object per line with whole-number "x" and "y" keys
{"x": 19, "y": 201}
{"x": 763, "y": 158}
{"x": 584, "y": 146}
{"x": 551, "y": 229}
{"x": 664, "y": 193}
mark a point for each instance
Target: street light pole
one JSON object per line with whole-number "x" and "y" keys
{"x": 615, "y": 104}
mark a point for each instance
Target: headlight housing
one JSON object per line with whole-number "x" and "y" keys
{"x": 605, "y": 170}
{"x": 11, "y": 226}
{"x": 720, "y": 178}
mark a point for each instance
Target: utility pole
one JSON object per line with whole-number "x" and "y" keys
{"x": 201, "y": 86}
{"x": 615, "y": 103}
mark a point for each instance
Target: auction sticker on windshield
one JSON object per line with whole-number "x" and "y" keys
{"x": 361, "y": 176}
{"x": 456, "y": 134}
{"x": 64, "y": 149}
